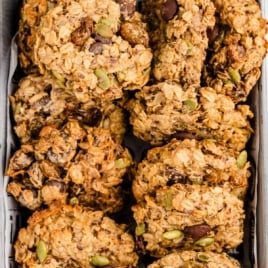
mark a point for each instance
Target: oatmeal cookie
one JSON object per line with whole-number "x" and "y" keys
{"x": 69, "y": 165}
{"x": 81, "y": 44}
{"x": 40, "y": 101}
{"x": 66, "y": 236}
{"x": 182, "y": 259}
{"x": 190, "y": 217}
{"x": 237, "y": 48}
{"x": 163, "y": 110}
{"x": 193, "y": 162}
{"x": 31, "y": 12}
{"x": 178, "y": 32}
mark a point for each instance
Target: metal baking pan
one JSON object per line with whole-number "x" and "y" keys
{"x": 254, "y": 249}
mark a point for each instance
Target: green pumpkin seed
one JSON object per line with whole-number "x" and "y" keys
{"x": 140, "y": 229}
{"x": 242, "y": 159}
{"x": 203, "y": 257}
{"x": 74, "y": 201}
{"x": 234, "y": 74}
{"x": 104, "y": 81}
{"x": 99, "y": 260}
{"x": 168, "y": 199}
{"x": 41, "y": 250}
{"x": 191, "y": 103}
{"x": 173, "y": 234}
{"x": 204, "y": 242}
{"x": 120, "y": 163}
{"x": 104, "y": 30}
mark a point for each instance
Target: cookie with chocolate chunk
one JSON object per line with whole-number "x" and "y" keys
{"x": 165, "y": 110}
{"x": 237, "y": 49}
{"x": 189, "y": 217}
{"x": 178, "y": 36}
{"x": 72, "y": 164}
{"x": 31, "y": 12}
{"x": 80, "y": 43}
{"x": 40, "y": 100}
{"x": 190, "y": 161}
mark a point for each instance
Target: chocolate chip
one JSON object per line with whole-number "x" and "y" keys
{"x": 197, "y": 231}
{"x": 102, "y": 39}
{"x": 181, "y": 135}
{"x": 169, "y": 9}
{"x": 58, "y": 184}
{"x": 91, "y": 117}
{"x": 175, "y": 176}
{"x": 96, "y": 48}
{"x": 213, "y": 34}
{"x": 127, "y": 8}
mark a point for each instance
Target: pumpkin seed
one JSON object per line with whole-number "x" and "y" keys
{"x": 41, "y": 250}
{"x": 104, "y": 81}
{"x": 99, "y": 260}
{"x": 242, "y": 159}
{"x": 234, "y": 74}
{"x": 168, "y": 199}
{"x": 140, "y": 229}
{"x": 203, "y": 257}
{"x": 204, "y": 242}
{"x": 191, "y": 103}
{"x": 173, "y": 234}
{"x": 74, "y": 201}
{"x": 120, "y": 163}
{"x": 104, "y": 30}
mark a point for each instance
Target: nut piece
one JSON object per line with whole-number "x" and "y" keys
{"x": 197, "y": 231}
{"x": 99, "y": 261}
{"x": 41, "y": 250}
{"x": 134, "y": 33}
{"x": 80, "y": 35}
{"x": 169, "y": 9}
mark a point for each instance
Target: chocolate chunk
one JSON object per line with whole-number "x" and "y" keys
{"x": 91, "y": 117}
{"x": 181, "y": 135}
{"x": 57, "y": 184}
{"x": 102, "y": 39}
{"x": 197, "y": 231}
{"x": 175, "y": 176}
{"x": 96, "y": 48}
{"x": 169, "y": 9}
{"x": 213, "y": 34}
{"x": 127, "y": 8}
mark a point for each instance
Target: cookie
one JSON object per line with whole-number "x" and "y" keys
{"x": 31, "y": 12}
{"x": 191, "y": 162}
{"x": 237, "y": 49}
{"x": 80, "y": 43}
{"x": 189, "y": 217}
{"x": 182, "y": 259}
{"x": 39, "y": 101}
{"x": 66, "y": 236}
{"x": 178, "y": 34}
{"x": 164, "y": 110}
{"x": 69, "y": 165}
